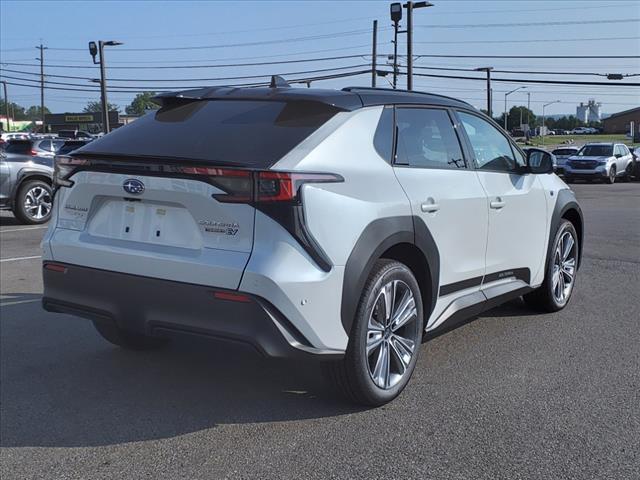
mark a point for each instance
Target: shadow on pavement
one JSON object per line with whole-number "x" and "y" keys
{"x": 8, "y": 219}
{"x": 64, "y": 386}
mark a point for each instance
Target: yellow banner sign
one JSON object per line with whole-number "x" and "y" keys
{"x": 78, "y": 118}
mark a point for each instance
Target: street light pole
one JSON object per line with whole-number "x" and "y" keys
{"x": 505, "y": 104}
{"x": 99, "y": 50}
{"x": 410, "y": 6}
{"x": 542, "y": 131}
{"x": 395, "y": 9}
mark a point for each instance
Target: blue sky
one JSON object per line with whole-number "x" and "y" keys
{"x": 282, "y": 30}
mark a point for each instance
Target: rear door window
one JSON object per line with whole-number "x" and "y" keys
{"x": 246, "y": 133}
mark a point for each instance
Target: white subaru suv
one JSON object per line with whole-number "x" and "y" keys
{"x": 342, "y": 225}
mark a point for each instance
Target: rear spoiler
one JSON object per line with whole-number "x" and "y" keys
{"x": 278, "y": 90}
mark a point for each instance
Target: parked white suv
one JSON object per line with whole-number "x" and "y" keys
{"x": 337, "y": 225}
{"x": 599, "y": 161}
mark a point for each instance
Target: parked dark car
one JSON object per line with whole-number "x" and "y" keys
{"x": 71, "y": 145}
{"x": 25, "y": 182}
{"x": 74, "y": 134}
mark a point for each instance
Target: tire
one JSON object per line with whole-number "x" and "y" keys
{"x": 611, "y": 178}
{"x": 129, "y": 340}
{"x": 359, "y": 375}
{"x": 33, "y": 202}
{"x": 547, "y": 297}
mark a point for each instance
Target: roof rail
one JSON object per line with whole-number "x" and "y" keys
{"x": 401, "y": 91}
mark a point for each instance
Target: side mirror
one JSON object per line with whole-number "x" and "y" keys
{"x": 618, "y": 155}
{"x": 539, "y": 161}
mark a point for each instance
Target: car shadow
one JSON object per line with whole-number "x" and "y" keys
{"x": 64, "y": 386}
{"x": 8, "y": 219}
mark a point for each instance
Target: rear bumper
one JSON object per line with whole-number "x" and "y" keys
{"x": 156, "y": 307}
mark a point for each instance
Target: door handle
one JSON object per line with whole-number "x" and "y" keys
{"x": 430, "y": 206}
{"x": 497, "y": 204}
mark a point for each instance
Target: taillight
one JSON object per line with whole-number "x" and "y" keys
{"x": 64, "y": 168}
{"x": 284, "y": 186}
{"x": 33, "y": 153}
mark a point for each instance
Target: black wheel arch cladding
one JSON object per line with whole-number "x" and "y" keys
{"x": 566, "y": 208}
{"x": 378, "y": 237}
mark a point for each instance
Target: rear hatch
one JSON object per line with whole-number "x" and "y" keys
{"x": 171, "y": 195}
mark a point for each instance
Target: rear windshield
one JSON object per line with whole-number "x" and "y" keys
{"x": 596, "y": 151}
{"x": 18, "y": 146}
{"x": 564, "y": 151}
{"x": 238, "y": 132}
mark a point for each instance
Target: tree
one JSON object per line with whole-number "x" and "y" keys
{"x": 33, "y": 112}
{"x": 515, "y": 115}
{"x": 96, "y": 106}
{"x": 16, "y": 112}
{"x": 142, "y": 103}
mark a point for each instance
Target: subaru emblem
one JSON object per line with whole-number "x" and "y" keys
{"x": 133, "y": 186}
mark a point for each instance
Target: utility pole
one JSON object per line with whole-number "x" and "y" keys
{"x": 489, "y": 100}
{"x": 99, "y": 50}
{"x": 6, "y": 104}
{"x": 42, "y": 49}
{"x": 409, "y": 7}
{"x": 374, "y": 53}
{"x": 528, "y": 107}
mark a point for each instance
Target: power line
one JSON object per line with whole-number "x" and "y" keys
{"x": 538, "y": 40}
{"x": 544, "y": 57}
{"x": 323, "y": 36}
{"x": 242, "y": 77}
{"x": 519, "y": 80}
{"x": 222, "y": 65}
{"x": 532, "y": 24}
{"x": 303, "y": 80}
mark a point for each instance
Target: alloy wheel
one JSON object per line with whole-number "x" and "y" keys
{"x": 564, "y": 268}
{"x": 392, "y": 334}
{"x": 37, "y": 202}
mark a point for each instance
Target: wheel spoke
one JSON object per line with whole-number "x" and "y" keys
{"x": 388, "y": 294}
{"x": 403, "y": 356}
{"x": 374, "y": 339}
{"x": 567, "y": 246}
{"x": 408, "y": 314}
{"x": 381, "y": 370}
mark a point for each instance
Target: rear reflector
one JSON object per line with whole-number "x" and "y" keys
{"x": 55, "y": 267}
{"x": 233, "y": 297}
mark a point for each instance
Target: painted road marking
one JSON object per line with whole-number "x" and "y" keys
{"x": 15, "y": 259}
{"x": 21, "y": 229}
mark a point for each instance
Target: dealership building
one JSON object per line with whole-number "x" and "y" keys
{"x": 89, "y": 122}
{"x": 621, "y": 122}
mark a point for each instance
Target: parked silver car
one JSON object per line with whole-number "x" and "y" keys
{"x": 562, "y": 154}
{"x": 25, "y": 182}
{"x": 599, "y": 161}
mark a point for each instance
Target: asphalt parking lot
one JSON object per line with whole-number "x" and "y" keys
{"x": 510, "y": 395}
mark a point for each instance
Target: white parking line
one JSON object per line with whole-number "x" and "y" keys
{"x": 20, "y": 229}
{"x": 15, "y": 259}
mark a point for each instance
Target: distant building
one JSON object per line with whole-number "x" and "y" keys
{"x": 589, "y": 112}
{"x": 620, "y": 122}
{"x": 86, "y": 121}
